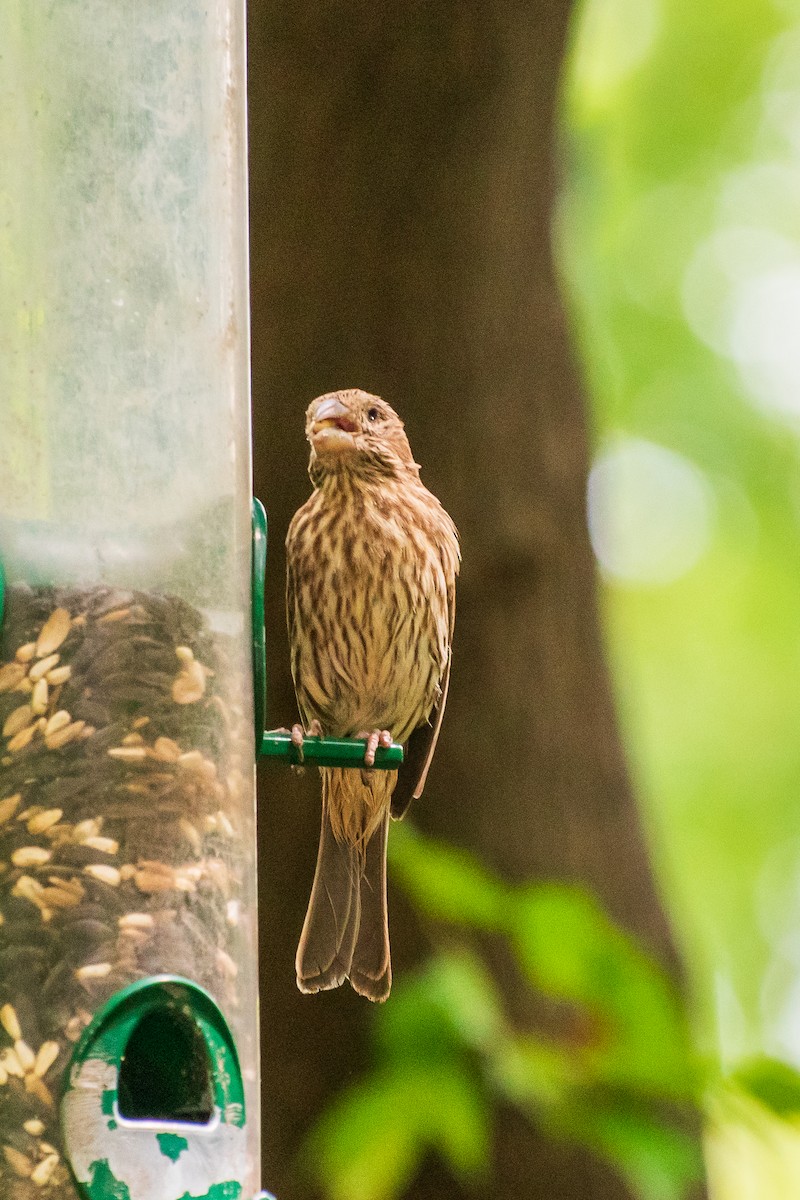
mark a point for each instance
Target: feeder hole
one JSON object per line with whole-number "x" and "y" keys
{"x": 165, "y": 1073}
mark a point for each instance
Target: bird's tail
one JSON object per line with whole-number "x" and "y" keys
{"x": 346, "y": 930}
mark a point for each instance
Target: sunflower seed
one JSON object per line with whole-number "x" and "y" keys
{"x": 31, "y": 856}
{"x": 103, "y": 873}
{"x": 48, "y": 1053}
{"x": 8, "y": 807}
{"x": 20, "y": 740}
{"x": 43, "y": 821}
{"x": 94, "y": 971}
{"x": 53, "y": 632}
{"x": 20, "y": 1163}
{"x": 41, "y": 1173}
{"x": 17, "y": 720}
{"x": 11, "y": 675}
{"x": 10, "y": 1022}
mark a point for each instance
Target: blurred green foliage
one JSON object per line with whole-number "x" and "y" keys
{"x": 617, "y": 1072}
{"x": 679, "y": 238}
{"x": 679, "y": 234}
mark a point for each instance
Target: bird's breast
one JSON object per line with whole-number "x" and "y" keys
{"x": 370, "y": 645}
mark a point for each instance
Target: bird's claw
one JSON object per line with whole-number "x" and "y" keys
{"x": 299, "y": 735}
{"x": 374, "y": 738}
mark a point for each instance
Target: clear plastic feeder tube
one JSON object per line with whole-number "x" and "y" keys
{"x": 127, "y": 845}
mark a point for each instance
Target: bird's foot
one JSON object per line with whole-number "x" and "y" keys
{"x": 374, "y": 738}
{"x": 299, "y": 735}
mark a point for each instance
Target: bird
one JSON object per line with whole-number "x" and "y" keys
{"x": 372, "y": 560}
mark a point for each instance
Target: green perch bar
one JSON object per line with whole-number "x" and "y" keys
{"x": 328, "y": 752}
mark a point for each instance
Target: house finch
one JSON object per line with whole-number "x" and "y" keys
{"x": 372, "y": 563}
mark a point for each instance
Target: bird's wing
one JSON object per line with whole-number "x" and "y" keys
{"x": 421, "y": 745}
{"x": 292, "y": 620}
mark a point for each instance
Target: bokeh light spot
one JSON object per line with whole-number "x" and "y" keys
{"x": 650, "y": 512}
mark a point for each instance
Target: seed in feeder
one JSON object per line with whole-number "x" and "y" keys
{"x": 48, "y": 1053}
{"x": 192, "y": 759}
{"x": 58, "y": 675}
{"x": 28, "y": 889}
{"x": 136, "y": 920}
{"x": 119, "y": 614}
{"x": 27, "y": 813}
{"x": 59, "y": 720}
{"x": 10, "y": 1063}
{"x": 133, "y": 739}
{"x": 128, "y": 753}
{"x": 17, "y": 720}
{"x": 34, "y": 1127}
{"x": 39, "y": 697}
{"x": 63, "y": 737}
{"x": 190, "y": 684}
{"x": 11, "y": 674}
{"x": 31, "y": 856}
{"x": 149, "y": 881}
{"x": 22, "y": 739}
{"x": 40, "y": 669}
{"x": 43, "y": 820}
{"x": 27, "y": 1059}
{"x": 75, "y": 1026}
{"x": 127, "y": 871}
{"x": 38, "y": 1088}
{"x": 106, "y": 844}
{"x": 53, "y": 632}
{"x": 56, "y": 897}
{"x": 88, "y": 828}
{"x": 25, "y": 653}
{"x": 10, "y": 1022}
{"x": 103, "y": 873}
{"x": 40, "y": 1175}
{"x": 8, "y": 807}
{"x": 73, "y": 884}
{"x": 192, "y": 834}
{"x": 184, "y": 653}
{"x": 223, "y": 821}
{"x": 94, "y": 971}
{"x": 226, "y": 964}
{"x": 166, "y": 750}
{"x": 20, "y": 1163}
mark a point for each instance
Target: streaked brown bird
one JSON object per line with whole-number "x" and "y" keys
{"x": 372, "y": 564}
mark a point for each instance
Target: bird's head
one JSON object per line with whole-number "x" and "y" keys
{"x": 352, "y": 431}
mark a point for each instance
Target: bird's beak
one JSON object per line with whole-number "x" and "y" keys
{"x": 332, "y": 414}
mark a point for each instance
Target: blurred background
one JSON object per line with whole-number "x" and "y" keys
{"x": 564, "y": 242}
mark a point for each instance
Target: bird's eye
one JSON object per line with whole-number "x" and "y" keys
{"x": 373, "y": 414}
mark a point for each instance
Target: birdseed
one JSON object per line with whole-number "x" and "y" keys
{"x": 121, "y": 767}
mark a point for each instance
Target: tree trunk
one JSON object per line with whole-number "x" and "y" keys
{"x": 403, "y": 176}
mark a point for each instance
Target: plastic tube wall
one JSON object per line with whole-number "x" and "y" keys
{"x": 126, "y": 759}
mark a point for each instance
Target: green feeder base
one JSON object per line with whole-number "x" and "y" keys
{"x": 153, "y": 1106}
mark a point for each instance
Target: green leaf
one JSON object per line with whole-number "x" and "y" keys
{"x": 775, "y": 1084}
{"x": 446, "y": 883}
{"x": 372, "y": 1140}
{"x": 659, "y": 1160}
{"x": 365, "y": 1147}
{"x": 533, "y": 1074}
{"x": 570, "y": 949}
{"x": 452, "y": 1002}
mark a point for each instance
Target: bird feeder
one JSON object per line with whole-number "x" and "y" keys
{"x": 128, "y": 986}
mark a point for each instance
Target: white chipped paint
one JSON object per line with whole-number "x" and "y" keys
{"x": 215, "y": 1154}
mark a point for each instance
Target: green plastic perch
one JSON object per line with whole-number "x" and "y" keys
{"x": 328, "y": 752}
